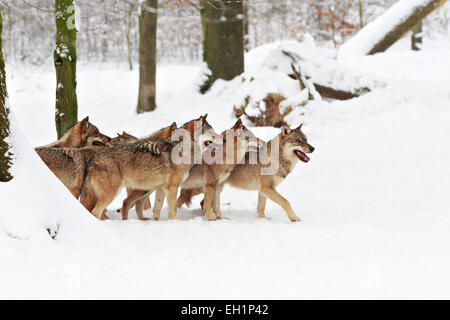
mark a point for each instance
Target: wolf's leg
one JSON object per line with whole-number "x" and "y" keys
{"x": 171, "y": 194}
{"x": 104, "y": 215}
{"x": 273, "y": 195}
{"x": 262, "y": 199}
{"x": 209, "y": 195}
{"x": 147, "y": 203}
{"x": 140, "y": 205}
{"x": 88, "y": 197}
{"x": 130, "y": 200}
{"x": 159, "y": 201}
{"x": 216, "y": 202}
{"x": 101, "y": 205}
{"x": 202, "y": 204}
{"x": 105, "y": 187}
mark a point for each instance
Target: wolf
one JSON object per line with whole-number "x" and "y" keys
{"x": 136, "y": 167}
{"x": 124, "y": 137}
{"x": 208, "y": 178}
{"x": 292, "y": 148}
{"x": 68, "y": 157}
{"x": 161, "y": 134}
{"x": 80, "y": 135}
{"x": 69, "y": 164}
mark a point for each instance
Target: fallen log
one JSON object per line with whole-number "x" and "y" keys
{"x": 330, "y": 79}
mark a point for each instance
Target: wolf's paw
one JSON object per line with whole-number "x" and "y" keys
{"x": 295, "y": 219}
{"x": 145, "y": 219}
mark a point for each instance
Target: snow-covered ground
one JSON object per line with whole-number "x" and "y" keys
{"x": 374, "y": 199}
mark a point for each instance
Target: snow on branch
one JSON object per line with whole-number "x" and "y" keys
{"x": 384, "y": 31}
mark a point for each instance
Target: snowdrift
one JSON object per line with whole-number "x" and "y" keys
{"x": 36, "y": 205}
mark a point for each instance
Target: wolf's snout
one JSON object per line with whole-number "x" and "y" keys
{"x": 311, "y": 149}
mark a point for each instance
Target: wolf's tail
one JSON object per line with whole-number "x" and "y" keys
{"x": 186, "y": 196}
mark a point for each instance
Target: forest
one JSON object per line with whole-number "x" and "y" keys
{"x": 346, "y": 100}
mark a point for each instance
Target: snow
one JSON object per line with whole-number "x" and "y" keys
{"x": 366, "y": 38}
{"x": 318, "y": 64}
{"x": 256, "y": 86}
{"x": 373, "y": 198}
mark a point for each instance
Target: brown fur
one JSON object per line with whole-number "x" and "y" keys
{"x": 138, "y": 169}
{"x": 68, "y": 164}
{"x": 80, "y": 135}
{"x": 208, "y": 179}
{"x": 249, "y": 177}
{"x": 123, "y": 137}
{"x": 164, "y": 133}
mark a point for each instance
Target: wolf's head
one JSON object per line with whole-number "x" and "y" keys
{"x": 161, "y": 134}
{"x": 201, "y": 130}
{"x": 123, "y": 137}
{"x": 294, "y": 144}
{"x": 85, "y": 133}
{"x": 243, "y": 137}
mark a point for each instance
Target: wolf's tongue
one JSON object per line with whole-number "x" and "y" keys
{"x": 302, "y": 156}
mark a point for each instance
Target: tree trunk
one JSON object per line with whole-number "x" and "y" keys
{"x": 65, "y": 58}
{"x": 245, "y": 26}
{"x": 404, "y": 26}
{"x": 416, "y": 38}
{"x": 129, "y": 25}
{"x": 147, "y": 56}
{"x": 5, "y": 155}
{"x": 223, "y": 43}
{"x": 361, "y": 14}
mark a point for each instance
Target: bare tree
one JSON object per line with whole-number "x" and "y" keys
{"x": 223, "y": 39}
{"x": 5, "y": 155}
{"x": 416, "y": 37}
{"x": 147, "y": 56}
{"x": 65, "y": 59}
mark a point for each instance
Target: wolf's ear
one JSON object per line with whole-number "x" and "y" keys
{"x": 237, "y": 124}
{"x": 84, "y": 124}
{"x": 299, "y": 127}
{"x": 204, "y": 117}
{"x": 85, "y": 120}
{"x": 191, "y": 127}
{"x": 285, "y": 130}
{"x": 169, "y": 130}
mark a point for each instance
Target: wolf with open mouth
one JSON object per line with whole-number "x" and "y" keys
{"x": 293, "y": 147}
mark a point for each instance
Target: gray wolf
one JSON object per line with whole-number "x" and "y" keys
{"x": 208, "y": 178}
{"x": 80, "y": 135}
{"x": 292, "y": 148}
{"x": 124, "y": 137}
{"x": 136, "y": 167}
{"x": 69, "y": 164}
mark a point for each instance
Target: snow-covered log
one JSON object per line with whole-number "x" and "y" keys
{"x": 393, "y": 24}
{"x": 330, "y": 78}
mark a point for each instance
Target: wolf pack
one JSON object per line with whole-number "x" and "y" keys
{"x": 177, "y": 163}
